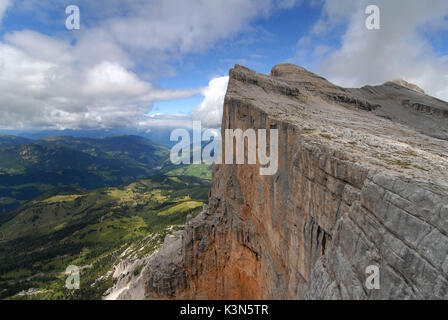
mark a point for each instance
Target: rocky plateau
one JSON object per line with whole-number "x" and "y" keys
{"x": 362, "y": 180}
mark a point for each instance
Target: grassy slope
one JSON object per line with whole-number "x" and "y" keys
{"x": 90, "y": 230}
{"x": 203, "y": 171}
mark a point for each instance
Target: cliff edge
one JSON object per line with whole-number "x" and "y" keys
{"x": 362, "y": 181}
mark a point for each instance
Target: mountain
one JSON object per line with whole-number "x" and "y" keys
{"x": 159, "y": 134}
{"x": 360, "y": 195}
{"x": 6, "y": 140}
{"x": 30, "y": 168}
{"x": 131, "y": 150}
{"x": 94, "y": 230}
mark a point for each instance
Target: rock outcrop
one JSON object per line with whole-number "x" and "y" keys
{"x": 362, "y": 181}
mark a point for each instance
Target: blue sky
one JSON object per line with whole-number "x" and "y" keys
{"x": 145, "y": 63}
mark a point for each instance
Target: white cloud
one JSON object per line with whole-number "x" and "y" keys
{"x": 288, "y": 4}
{"x": 321, "y": 50}
{"x": 114, "y": 81}
{"x": 91, "y": 77}
{"x": 209, "y": 112}
{"x": 334, "y": 12}
{"x": 164, "y": 30}
{"x": 40, "y": 46}
{"x": 4, "y": 5}
{"x": 400, "y": 49}
{"x": 44, "y": 85}
{"x": 166, "y": 120}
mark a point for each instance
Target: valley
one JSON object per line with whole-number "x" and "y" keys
{"x": 93, "y": 230}
{"x": 29, "y": 168}
{"x": 91, "y": 203}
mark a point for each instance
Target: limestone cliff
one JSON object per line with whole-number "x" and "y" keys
{"x": 362, "y": 180}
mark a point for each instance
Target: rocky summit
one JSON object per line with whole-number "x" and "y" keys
{"x": 362, "y": 182}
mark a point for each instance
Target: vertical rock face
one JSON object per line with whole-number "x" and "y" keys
{"x": 361, "y": 182}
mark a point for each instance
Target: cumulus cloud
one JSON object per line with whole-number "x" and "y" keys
{"x": 209, "y": 112}
{"x": 400, "y": 49}
{"x": 43, "y": 85}
{"x": 164, "y": 30}
{"x": 92, "y": 77}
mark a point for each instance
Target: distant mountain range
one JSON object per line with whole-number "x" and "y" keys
{"x": 7, "y": 140}
{"x": 90, "y": 202}
{"x": 160, "y": 135}
{"x": 29, "y": 168}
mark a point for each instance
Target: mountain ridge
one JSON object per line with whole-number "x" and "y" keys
{"x": 30, "y": 167}
{"x": 360, "y": 183}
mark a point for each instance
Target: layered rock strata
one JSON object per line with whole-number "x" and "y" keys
{"x": 362, "y": 181}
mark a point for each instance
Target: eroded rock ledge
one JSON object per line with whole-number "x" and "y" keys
{"x": 362, "y": 181}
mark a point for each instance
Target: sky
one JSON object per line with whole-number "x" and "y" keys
{"x": 145, "y": 64}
